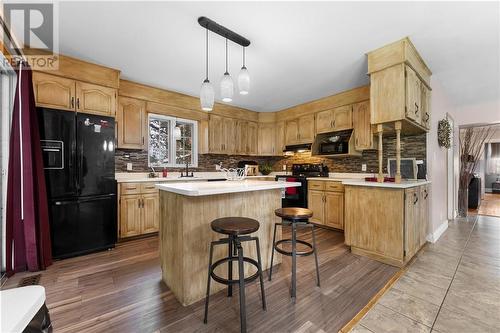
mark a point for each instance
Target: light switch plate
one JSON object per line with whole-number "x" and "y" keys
{"x": 129, "y": 166}
{"x": 363, "y": 167}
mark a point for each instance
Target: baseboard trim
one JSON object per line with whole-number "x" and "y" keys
{"x": 433, "y": 237}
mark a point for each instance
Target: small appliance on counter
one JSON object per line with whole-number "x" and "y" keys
{"x": 297, "y": 196}
{"x": 251, "y": 167}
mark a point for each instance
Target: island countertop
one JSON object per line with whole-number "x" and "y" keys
{"x": 196, "y": 189}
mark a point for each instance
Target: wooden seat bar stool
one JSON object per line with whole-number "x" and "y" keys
{"x": 295, "y": 217}
{"x": 235, "y": 228}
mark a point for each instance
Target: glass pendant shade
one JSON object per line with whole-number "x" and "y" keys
{"x": 207, "y": 96}
{"x": 244, "y": 81}
{"x": 226, "y": 88}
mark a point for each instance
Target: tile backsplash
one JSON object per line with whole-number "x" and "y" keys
{"x": 411, "y": 146}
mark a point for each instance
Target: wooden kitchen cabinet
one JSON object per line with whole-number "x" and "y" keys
{"x": 252, "y": 141}
{"x": 292, "y": 132}
{"x": 54, "y": 92}
{"x": 138, "y": 212}
{"x": 267, "y": 139}
{"x": 130, "y": 123}
{"x": 228, "y": 135}
{"x": 386, "y": 224}
{"x": 399, "y": 87}
{"x": 215, "y": 130}
{"x": 280, "y": 137}
{"x": 95, "y": 99}
{"x": 299, "y": 130}
{"x": 363, "y": 136}
{"x": 130, "y": 215}
{"x": 337, "y": 119}
{"x": 326, "y": 200}
{"x": 241, "y": 137}
{"x": 72, "y": 95}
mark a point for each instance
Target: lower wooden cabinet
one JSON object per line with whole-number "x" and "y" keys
{"x": 386, "y": 224}
{"x": 138, "y": 209}
{"x": 326, "y": 200}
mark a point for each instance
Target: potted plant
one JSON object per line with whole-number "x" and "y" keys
{"x": 265, "y": 169}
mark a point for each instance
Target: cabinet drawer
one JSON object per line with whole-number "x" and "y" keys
{"x": 334, "y": 186}
{"x": 130, "y": 188}
{"x": 148, "y": 187}
{"x": 316, "y": 185}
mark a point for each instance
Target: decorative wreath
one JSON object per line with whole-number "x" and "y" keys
{"x": 444, "y": 133}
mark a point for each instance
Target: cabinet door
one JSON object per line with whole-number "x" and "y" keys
{"x": 215, "y": 134}
{"x": 54, "y": 92}
{"x": 266, "y": 139}
{"x": 95, "y": 99}
{"x": 342, "y": 118}
{"x": 413, "y": 107}
{"x": 130, "y": 120}
{"x": 291, "y": 132}
{"x": 412, "y": 222}
{"x": 424, "y": 213}
{"x": 363, "y": 137}
{"x": 324, "y": 121}
{"x": 316, "y": 203}
{"x": 150, "y": 213}
{"x": 280, "y": 138}
{"x": 203, "y": 140}
{"x": 130, "y": 215}
{"x": 334, "y": 210}
{"x": 229, "y": 135}
{"x": 241, "y": 137}
{"x": 306, "y": 129}
{"x": 426, "y": 106}
{"x": 253, "y": 130}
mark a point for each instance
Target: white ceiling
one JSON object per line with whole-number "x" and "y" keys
{"x": 300, "y": 51}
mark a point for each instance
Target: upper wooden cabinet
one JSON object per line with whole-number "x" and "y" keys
{"x": 231, "y": 136}
{"x": 399, "y": 86}
{"x": 53, "y": 91}
{"x": 66, "y": 94}
{"x": 91, "y": 98}
{"x": 363, "y": 136}
{"x": 252, "y": 140}
{"x": 336, "y": 119}
{"x": 267, "y": 139}
{"x": 280, "y": 137}
{"x": 215, "y": 141}
{"x": 130, "y": 123}
{"x": 299, "y": 130}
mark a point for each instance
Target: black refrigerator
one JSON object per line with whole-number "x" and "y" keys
{"x": 79, "y": 161}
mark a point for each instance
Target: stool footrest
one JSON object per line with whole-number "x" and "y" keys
{"x": 229, "y": 282}
{"x": 289, "y": 253}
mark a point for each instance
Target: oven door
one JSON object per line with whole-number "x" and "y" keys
{"x": 294, "y": 196}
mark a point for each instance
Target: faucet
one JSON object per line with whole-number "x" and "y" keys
{"x": 187, "y": 169}
{"x": 152, "y": 174}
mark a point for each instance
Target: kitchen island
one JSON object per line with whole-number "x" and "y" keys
{"x": 186, "y": 210}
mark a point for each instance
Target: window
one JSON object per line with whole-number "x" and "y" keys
{"x": 7, "y": 90}
{"x": 172, "y": 141}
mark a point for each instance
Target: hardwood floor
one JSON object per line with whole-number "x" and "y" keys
{"x": 121, "y": 291}
{"x": 490, "y": 205}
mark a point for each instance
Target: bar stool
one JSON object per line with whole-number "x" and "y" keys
{"x": 294, "y": 217}
{"x": 235, "y": 228}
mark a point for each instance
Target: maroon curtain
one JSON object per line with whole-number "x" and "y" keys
{"x": 27, "y": 230}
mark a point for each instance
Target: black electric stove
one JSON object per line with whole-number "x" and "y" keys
{"x": 297, "y": 196}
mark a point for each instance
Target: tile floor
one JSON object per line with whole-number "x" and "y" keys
{"x": 452, "y": 286}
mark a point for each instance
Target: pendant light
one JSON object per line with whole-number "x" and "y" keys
{"x": 207, "y": 94}
{"x": 226, "y": 85}
{"x": 244, "y": 78}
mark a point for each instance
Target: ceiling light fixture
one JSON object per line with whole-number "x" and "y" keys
{"x": 244, "y": 78}
{"x": 207, "y": 95}
{"x": 226, "y": 85}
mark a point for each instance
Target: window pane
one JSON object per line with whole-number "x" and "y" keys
{"x": 159, "y": 132}
{"x": 184, "y": 144}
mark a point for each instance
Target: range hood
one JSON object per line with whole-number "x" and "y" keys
{"x": 297, "y": 148}
{"x": 339, "y": 143}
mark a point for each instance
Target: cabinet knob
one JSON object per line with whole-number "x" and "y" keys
{"x": 72, "y": 102}
{"x": 416, "y": 108}
{"x": 415, "y": 196}
{"x": 78, "y": 103}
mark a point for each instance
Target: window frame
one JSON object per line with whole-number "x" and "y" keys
{"x": 172, "y": 142}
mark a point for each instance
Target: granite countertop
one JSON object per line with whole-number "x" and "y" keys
{"x": 213, "y": 188}
{"x": 404, "y": 184}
